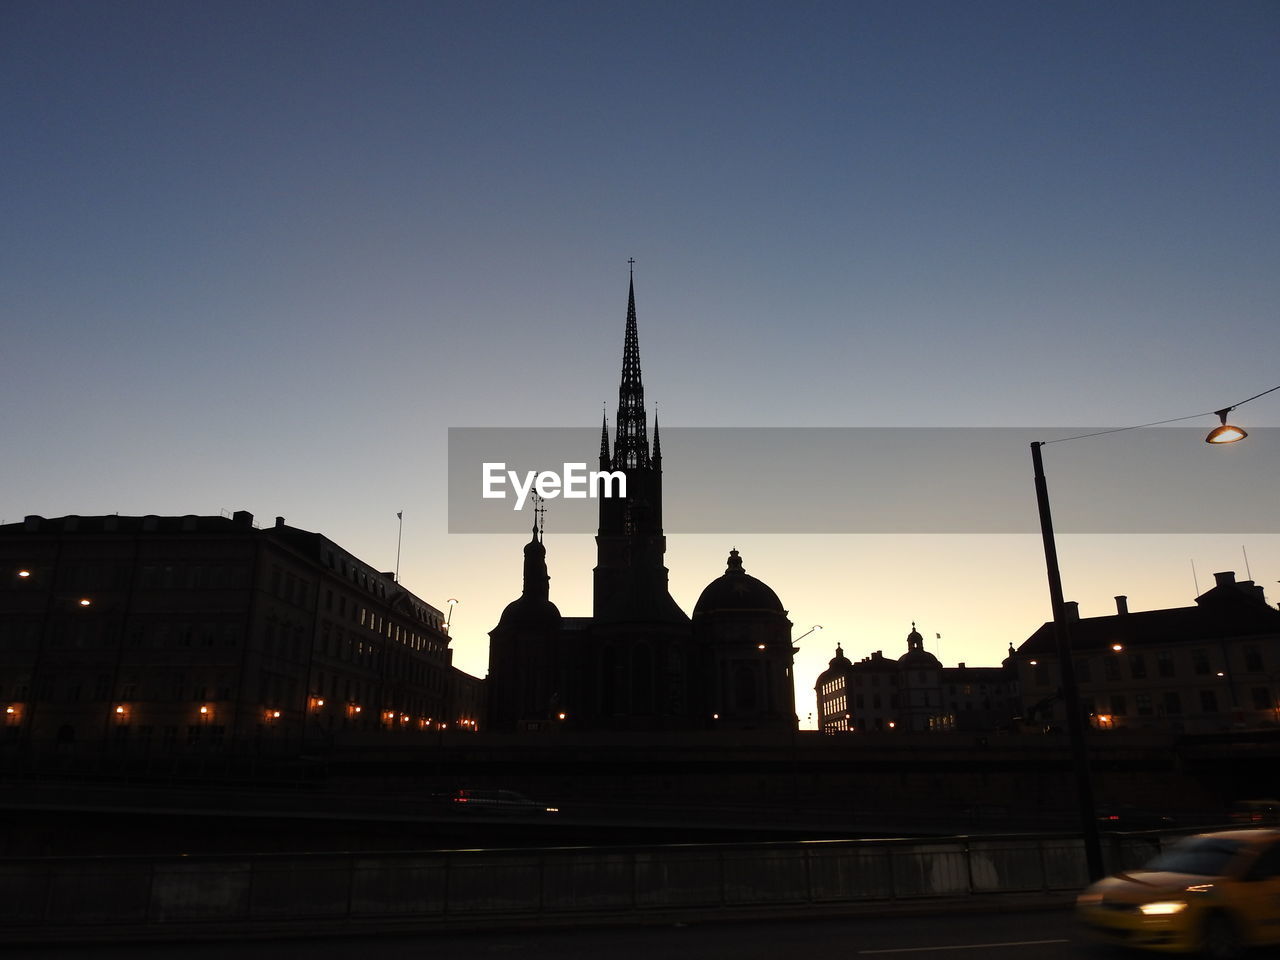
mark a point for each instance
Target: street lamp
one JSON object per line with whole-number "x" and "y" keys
{"x": 1062, "y": 630}
{"x": 1226, "y": 433}
{"x": 816, "y": 628}
{"x": 452, "y": 602}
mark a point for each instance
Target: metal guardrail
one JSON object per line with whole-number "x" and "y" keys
{"x": 149, "y": 893}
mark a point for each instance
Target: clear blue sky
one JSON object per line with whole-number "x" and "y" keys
{"x": 263, "y": 255}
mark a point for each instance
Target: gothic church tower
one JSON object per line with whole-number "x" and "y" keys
{"x": 630, "y": 576}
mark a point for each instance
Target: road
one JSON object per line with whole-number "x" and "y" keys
{"x": 1043, "y": 935}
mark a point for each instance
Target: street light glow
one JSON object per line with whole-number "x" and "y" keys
{"x": 1226, "y": 433}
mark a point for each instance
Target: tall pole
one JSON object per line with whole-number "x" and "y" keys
{"x": 1066, "y": 666}
{"x": 399, "y": 537}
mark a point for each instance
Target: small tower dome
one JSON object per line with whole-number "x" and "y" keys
{"x": 737, "y": 590}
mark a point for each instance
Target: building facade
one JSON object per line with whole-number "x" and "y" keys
{"x": 639, "y": 662}
{"x": 161, "y": 635}
{"x": 912, "y": 694}
{"x": 1211, "y": 667}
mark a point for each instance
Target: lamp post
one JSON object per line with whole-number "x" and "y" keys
{"x": 1066, "y": 667}
{"x": 1225, "y": 433}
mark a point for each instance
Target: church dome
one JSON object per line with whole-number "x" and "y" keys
{"x": 529, "y": 612}
{"x": 737, "y": 590}
{"x": 917, "y": 657}
{"x": 532, "y": 609}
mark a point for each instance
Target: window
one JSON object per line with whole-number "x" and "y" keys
{"x": 1172, "y": 703}
{"x": 1137, "y": 666}
{"x": 1208, "y": 701}
{"x": 1253, "y": 659}
{"x": 1142, "y": 702}
{"x": 1164, "y": 663}
{"x": 1084, "y": 671}
{"x": 1119, "y": 705}
{"x": 1200, "y": 661}
{"x": 1111, "y": 667}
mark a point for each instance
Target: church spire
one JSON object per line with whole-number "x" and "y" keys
{"x": 604, "y": 442}
{"x": 631, "y": 442}
{"x": 657, "y": 440}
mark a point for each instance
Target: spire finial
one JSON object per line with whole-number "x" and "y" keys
{"x": 539, "y": 511}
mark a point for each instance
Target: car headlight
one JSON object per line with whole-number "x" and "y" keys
{"x": 1088, "y": 899}
{"x": 1162, "y": 907}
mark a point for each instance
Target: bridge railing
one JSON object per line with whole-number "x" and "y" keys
{"x": 66, "y": 892}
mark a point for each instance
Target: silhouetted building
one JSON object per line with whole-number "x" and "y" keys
{"x": 919, "y": 687}
{"x": 912, "y": 694}
{"x": 175, "y": 634}
{"x": 1209, "y": 667}
{"x": 980, "y": 698}
{"x": 639, "y": 662}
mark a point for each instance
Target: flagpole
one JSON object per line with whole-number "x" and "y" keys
{"x": 399, "y": 537}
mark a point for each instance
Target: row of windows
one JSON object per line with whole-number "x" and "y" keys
{"x": 1141, "y": 666}
{"x": 170, "y": 687}
{"x": 1169, "y": 703}
{"x": 191, "y": 576}
{"x": 289, "y": 587}
{"x": 381, "y": 625}
{"x": 117, "y": 574}
{"x": 93, "y": 634}
{"x": 376, "y": 584}
{"x": 875, "y": 724}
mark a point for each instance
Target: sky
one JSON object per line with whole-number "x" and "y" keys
{"x": 263, "y": 256}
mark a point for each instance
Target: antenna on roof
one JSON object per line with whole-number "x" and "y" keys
{"x": 1247, "y": 572}
{"x": 1194, "y": 578}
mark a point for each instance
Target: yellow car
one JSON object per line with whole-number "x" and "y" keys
{"x": 1216, "y": 893}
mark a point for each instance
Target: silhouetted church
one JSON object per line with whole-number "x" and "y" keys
{"x": 640, "y": 662}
